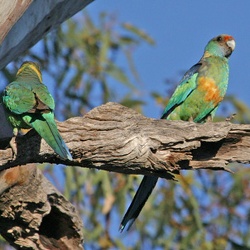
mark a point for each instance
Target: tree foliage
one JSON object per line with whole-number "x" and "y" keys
{"x": 83, "y": 65}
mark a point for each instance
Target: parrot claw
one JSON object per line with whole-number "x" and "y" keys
{"x": 13, "y": 146}
{"x": 230, "y": 118}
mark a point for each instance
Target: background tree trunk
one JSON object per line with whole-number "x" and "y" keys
{"x": 24, "y": 23}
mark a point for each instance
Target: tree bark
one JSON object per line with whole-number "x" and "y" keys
{"x": 110, "y": 137}
{"x": 10, "y": 13}
{"x": 34, "y": 215}
{"x": 115, "y": 138}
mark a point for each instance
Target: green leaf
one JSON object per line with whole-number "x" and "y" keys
{"x": 140, "y": 33}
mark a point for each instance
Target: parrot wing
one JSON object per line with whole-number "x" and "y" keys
{"x": 185, "y": 88}
{"x": 21, "y": 97}
{"x": 18, "y": 98}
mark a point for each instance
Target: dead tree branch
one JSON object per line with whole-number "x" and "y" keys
{"x": 114, "y": 138}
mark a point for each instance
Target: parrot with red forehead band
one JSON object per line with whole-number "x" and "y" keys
{"x": 196, "y": 99}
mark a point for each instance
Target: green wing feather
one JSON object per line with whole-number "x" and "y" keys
{"x": 18, "y": 98}
{"x": 46, "y": 127}
{"x": 42, "y": 93}
{"x": 184, "y": 89}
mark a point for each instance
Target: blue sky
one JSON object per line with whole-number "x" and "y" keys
{"x": 181, "y": 30}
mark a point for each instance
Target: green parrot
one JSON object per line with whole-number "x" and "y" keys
{"x": 30, "y": 105}
{"x": 196, "y": 99}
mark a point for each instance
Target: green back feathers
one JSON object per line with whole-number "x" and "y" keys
{"x": 21, "y": 97}
{"x": 30, "y": 70}
{"x": 27, "y": 93}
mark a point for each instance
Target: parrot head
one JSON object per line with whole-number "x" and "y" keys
{"x": 29, "y": 69}
{"x": 222, "y": 45}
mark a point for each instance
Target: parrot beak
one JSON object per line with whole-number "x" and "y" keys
{"x": 231, "y": 44}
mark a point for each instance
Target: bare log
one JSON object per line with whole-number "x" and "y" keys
{"x": 115, "y": 138}
{"x": 24, "y": 23}
{"x": 34, "y": 215}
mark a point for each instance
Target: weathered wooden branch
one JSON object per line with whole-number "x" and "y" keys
{"x": 24, "y": 23}
{"x": 115, "y": 138}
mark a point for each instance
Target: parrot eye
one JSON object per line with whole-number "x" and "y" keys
{"x": 219, "y": 39}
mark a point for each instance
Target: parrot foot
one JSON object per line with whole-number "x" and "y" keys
{"x": 209, "y": 118}
{"x": 13, "y": 146}
{"x": 230, "y": 118}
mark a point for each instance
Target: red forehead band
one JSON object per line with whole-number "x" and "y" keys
{"x": 226, "y": 38}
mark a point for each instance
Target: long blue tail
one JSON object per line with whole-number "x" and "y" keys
{"x": 145, "y": 189}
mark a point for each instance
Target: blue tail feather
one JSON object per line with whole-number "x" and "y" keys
{"x": 145, "y": 189}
